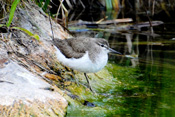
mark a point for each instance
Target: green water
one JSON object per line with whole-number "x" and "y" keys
{"x": 143, "y": 86}
{"x": 151, "y": 91}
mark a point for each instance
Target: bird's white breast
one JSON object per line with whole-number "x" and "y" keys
{"x": 84, "y": 64}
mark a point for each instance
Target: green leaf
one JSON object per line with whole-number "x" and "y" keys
{"x": 1, "y": 25}
{"x": 12, "y": 11}
{"x": 46, "y": 5}
{"x": 28, "y": 32}
{"x": 39, "y": 3}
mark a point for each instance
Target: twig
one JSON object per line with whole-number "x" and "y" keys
{"x": 6, "y": 82}
{"x": 151, "y": 27}
{"x": 51, "y": 26}
{"x": 59, "y": 9}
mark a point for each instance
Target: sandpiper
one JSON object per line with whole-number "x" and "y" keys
{"x": 87, "y": 55}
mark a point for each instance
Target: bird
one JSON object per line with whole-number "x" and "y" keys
{"x": 84, "y": 54}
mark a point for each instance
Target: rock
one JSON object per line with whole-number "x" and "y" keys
{"x": 3, "y": 57}
{"x": 25, "y": 90}
{"x": 23, "y": 60}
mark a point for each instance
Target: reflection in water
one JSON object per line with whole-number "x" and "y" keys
{"x": 131, "y": 51}
{"x": 155, "y": 69}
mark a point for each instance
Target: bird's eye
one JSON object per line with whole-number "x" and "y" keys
{"x": 102, "y": 45}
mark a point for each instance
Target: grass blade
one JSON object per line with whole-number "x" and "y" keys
{"x": 46, "y": 5}
{"x": 27, "y": 32}
{"x": 115, "y": 4}
{"x": 12, "y": 11}
{"x": 108, "y": 4}
{"x": 1, "y": 25}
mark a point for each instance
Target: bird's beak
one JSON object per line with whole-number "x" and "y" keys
{"x": 114, "y": 51}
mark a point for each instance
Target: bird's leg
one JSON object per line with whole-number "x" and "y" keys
{"x": 88, "y": 82}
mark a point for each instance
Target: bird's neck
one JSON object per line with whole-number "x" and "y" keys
{"x": 100, "y": 57}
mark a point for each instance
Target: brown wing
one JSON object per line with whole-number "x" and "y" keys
{"x": 69, "y": 48}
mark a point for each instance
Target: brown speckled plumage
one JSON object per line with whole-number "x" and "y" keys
{"x": 72, "y": 48}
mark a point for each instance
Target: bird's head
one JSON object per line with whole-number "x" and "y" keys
{"x": 102, "y": 43}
